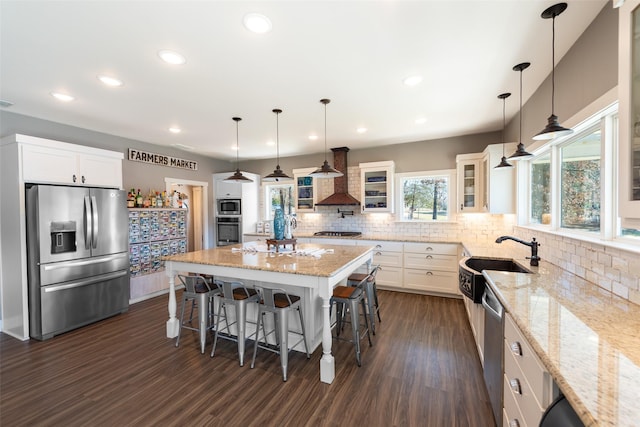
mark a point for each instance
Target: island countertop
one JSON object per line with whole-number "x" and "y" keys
{"x": 328, "y": 259}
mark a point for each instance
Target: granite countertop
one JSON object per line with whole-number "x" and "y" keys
{"x": 309, "y": 259}
{"x": 587, "y": 338}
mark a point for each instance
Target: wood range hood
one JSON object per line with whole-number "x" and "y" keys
{"x": 340, "y": 196}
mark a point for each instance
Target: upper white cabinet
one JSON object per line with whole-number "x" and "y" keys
{"x": 61, "y": 163}
{"x": 306, "y": 194}
{"x": 469, "y": 191}
{"x": 629, "y": 111}
{"x": 498, "y": 185}
{"x": 227, "y": 190}
{"x": 376, "y": 184}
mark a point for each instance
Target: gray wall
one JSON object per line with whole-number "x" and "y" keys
{"x": 135, "y": 175}
{"x": 586, "y": 72}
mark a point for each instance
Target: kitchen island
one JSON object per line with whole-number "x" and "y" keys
{"x": 313, "y": 270}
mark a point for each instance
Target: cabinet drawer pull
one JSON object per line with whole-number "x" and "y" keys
{"x": 514, "y": 423}
{"x": 83, "y": 179}
{"x": 378, "y": 247}
{"x": 516, "y": 348}
{"x": 428, "y": 273}
{"x": 429, "y": 248}
{"x": 378, "y": 253}
{"x": 515, "y": 386}
{"x": 428, "y": 257}
{"x": 75, "y": 178}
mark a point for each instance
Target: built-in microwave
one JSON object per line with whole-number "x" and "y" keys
{"x": 229, "y": 207}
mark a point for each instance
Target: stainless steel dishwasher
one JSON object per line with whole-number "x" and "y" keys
{"x": 493, "y": 350}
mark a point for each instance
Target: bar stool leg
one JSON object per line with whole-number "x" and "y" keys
{"x": 255, "y": 344}
{"x": 241, "y": 321}
{"x": 370, "y": 301}
{"x": 304, "y": 334}
{"x": 226, "y": 319}
{"x": 203, "y": 314}
{"x": 366, "y": 325}
{"x": 375, "y": 296}
{"x": 283, "y": 323}
{"x": 181, "y": 321}
{"x": 355, "y": 322}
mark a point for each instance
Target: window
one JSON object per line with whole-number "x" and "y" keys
{"x": 425, "y": 196}
{"x": 541, "y": 190}
{"x": 278, "y": 195}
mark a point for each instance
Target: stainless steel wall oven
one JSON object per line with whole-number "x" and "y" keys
{"x": 228, "y": 230}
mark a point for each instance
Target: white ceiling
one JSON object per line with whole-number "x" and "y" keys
{"x": 354, "y": 52}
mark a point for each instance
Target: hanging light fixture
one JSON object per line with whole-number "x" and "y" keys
{"x": 325, "y": 171}
{"x": 277, "y": 174}
{"x": 520, "y": 153}
{"x": 237, "y": 176}
{"x": 503, "y": 162}
{"x": 553, "y": 128}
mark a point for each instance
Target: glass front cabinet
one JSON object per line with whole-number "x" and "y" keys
{"x": 469, "y": 191}
{"x": 376, "y": 186}
{"x": 629, "y": 113}
{"x": 306, "y": 194}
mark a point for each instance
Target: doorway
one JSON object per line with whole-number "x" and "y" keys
{"x": 194, "y": 195}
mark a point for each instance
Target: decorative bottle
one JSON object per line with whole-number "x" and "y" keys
{"x": 278, "y": 224}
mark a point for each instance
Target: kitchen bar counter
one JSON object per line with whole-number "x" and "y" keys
{"x": 586, "y": 337}
{"x": 313, "y": 276}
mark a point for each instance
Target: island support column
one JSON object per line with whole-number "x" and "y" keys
{"x": 172, "y": 323}
{"x": 327, "y": 361}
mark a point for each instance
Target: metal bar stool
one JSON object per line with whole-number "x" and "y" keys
{"x": 237, "y": 295}
{"x": 280, "y": 303}
{"x": 197, "y": 288}
{"x": 371, "y": 291}
{"x": 349, "y": 297}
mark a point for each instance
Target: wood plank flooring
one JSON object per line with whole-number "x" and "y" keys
{"x": 421, "y": 371}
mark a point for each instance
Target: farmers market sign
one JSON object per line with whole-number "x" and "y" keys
{"x": 161, "y": 159}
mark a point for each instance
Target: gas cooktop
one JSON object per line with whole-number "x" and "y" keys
{"x": 338, "y": 233}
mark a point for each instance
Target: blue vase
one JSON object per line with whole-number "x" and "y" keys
{"x": 278, "y": 224}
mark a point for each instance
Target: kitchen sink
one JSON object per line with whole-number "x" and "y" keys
{"x": 338, "y": 233}
{"x": 471, "y": 280}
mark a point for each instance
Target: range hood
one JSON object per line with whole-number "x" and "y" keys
{"x": 340, "y": 196}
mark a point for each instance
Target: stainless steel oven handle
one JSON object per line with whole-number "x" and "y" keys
{"x": 90, "y": 261}
{"x": 85, "y": 282}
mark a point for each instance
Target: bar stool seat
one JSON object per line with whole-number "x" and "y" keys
{"x": 350, "y": 297}
{"x": 368, "y": 282}
{"x": 280, "y": 303}
{"x": 201, "y": 292}
{"x": 237, "y": 295}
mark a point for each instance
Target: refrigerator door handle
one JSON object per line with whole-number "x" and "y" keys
{"x": 88, "y": 222}
{"x": 91, "y": 261}
{"x": 79, "y": 283}
{"x": 94, "y": 234}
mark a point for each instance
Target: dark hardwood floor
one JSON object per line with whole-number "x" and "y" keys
{"x": 421, "y": 371}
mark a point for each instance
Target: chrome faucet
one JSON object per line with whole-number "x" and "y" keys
{"x": 532, "y": 244}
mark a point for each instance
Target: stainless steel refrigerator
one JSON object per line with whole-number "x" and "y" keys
{"x": 77, "y": 255}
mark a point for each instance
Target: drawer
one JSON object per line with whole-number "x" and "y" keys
{"x": 527, "y": 403}
{"x": 436, "y": 281}
{"x": 511, "y": 416}
{"x": 537, "y": 376}
{"x": 390, "y": 259}
{"x": 382, "y": 245}
{"x": 389, "y": 276}
{"x": 431, "y": 262}
{"x": 432, "y": 248}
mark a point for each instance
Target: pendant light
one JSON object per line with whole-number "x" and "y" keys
{"x": 237, "y": 176}
{"x": 325, "y": 171}
{"x": 277, "y": 174}
{"x": 520, "y": 153}
{"x": 553, "y": 128}
{"x": 503, "y": 162}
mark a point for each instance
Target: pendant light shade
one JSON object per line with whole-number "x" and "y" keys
{"x": 520, "y": 153}
{"x": 237, "y": 176}
{"x": 553, "y": 128}
{"x": 503, "y": 162}
{"x": 325, "y": 171}
{"x": 277, "y": 174}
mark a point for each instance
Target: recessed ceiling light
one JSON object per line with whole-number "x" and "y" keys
{"x": 234, "y": 147}
{"x": 313, "y": 137}
{"x": 257, "y": 23}
{"x": 171, "y": 57}
{"x": 62, "y": 96}
{"x": 110, "y": 81}
{"x": 361, "y": 130}
{"x": 175, "y": 129}
{"x": 412, "y": 80}
{"x": 421, "y": 121}
{"x": 270, "y": 143}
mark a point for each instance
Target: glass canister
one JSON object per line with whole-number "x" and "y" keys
{"x": 278, "y": 224}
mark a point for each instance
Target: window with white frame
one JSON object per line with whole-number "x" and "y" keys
{"x": 573, "y": 181}
{"x": 425, "y": 196}
{"x": 278, "y": 195}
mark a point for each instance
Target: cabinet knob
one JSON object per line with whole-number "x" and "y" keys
{"x": 514, "y": 383}
{"x": 83, "y": 179}
{"x": 516, "y": 348}
{"x": 461, "y": 206}
{"x": 75, "y": 178}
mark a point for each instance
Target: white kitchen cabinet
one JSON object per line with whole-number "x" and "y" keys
{"x": 629, "y": 113}
{"x": 528, "y": 387}
{"x": 469, "y": 191}
{"x": 431, "y": 267}
{"x": 475, "y": 312}
{"x": 227, "y": 190}
{"x": 47, "y": 161}
{"x": 376, "y": 186}
{"x": 498, "y": 185}
{"x": 389, "y": 256}
{"x": 306, "y": 191}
